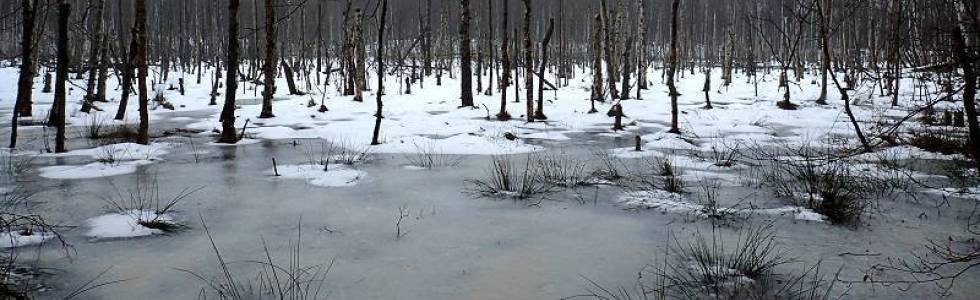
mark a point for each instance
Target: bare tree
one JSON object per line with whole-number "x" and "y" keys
{"x": 228, "y": 134}
{"x": 528, "y": 62}
{"x": 967, "y": 62}
{"x": 61, "y": 77}
{"x": 95, "y": 44}
{"x": 503, "y": 115}
{"x": 672, "y": 68}
{"x": 465, "y": 59}
{"x": 539, "y": 113}
{"x": 597, "y": 90}
{"x": 375, "y": 139}
{"x": 25, "y": 81}
{"x": 269, "y": 68}
{"x": 641, "y": 55}
{"x": 139, "y": 34}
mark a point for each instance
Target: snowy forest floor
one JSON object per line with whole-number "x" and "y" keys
{"x": 409, "y": 219}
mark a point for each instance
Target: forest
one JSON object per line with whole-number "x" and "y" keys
{"x": 489, "y": 149}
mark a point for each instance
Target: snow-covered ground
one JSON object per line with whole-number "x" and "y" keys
{"x": 456, "y": 247}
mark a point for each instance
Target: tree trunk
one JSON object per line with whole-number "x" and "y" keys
{"x": 269, "y": 69}
{"x": 60, "y": 90}
{"x": 641, "y": 73}
{"x": 228, "y": 134}
{"x": 627, "y": 69}
{"x": 128, "y": 64}
{"x": 95, "y": 45}
{"x": 825, "y": 13}
{"x": 707, "y": 89}
{"x": 25, "y": 81}
{"x": 503, "y": 115}
{"x": 290, "y": 79}
{"x": 375, "y": 138}
{"x": 672, "y": 68}
{"x": 100, "y": 86}
{"x": 466, "y": 68}
{"x": 966, "y": 62}
{"x": 490, "y": 50}
{"x": 357, "y": 33}
{"x": 528, "y": 61}
{"x": 539, "y": 113}
{"x": 139, "y": 33}
{"x": 609, "y": 49}
{"x": 597, "y": 92}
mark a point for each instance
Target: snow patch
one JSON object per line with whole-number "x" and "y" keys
{"x": 674, "y": 203}
{"x": 15, "y": 239}
{"x": 124, "y": 225}
{"x": 92, "y": 170}
{"x": 336, "y": 175}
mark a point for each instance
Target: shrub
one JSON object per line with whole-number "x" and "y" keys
{"x": 143, "y": 201}
{"x": 504, "y": 179}
{"x": 704, "y": 267}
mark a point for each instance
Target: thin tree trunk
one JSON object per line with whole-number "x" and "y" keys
{"x": 503, "y": 115}
{"x": 228, "y": 134}
{"x": 269, "y": 69}
{"x": 375, "y": 138}
{"x": 627, "y": 69}
{"x": 825, "y": 13}
{"x": 25, "y": 81}
{"x": 466, "y": 68}
{"x": 128, "y": 63}
{"x": 641, "y": 77}
{"x": 95, "y": 44}
{"x": 528, "y": 61}
{"x": 139, "y": 33}
{"x": 672, "y": 68}
{"x": 966, "y": 62}
{"x": 597, "y": 92}
{"x": 60, "y": 90}
{"x": 539, "y": 113}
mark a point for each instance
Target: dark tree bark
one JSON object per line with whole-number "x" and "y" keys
{"x": 672, "y": 68}
{"x": 25, "y": 81}
{"x": 825, "y": 13}
{"x": 641, "y": 77}
{"x": 490, "y": 49}
{"x": 503, "y": 115}
{"x": 610, "y": 51}
{"x": 61, "y": 77}
{"x": 627, "y": 70}
{"x": 360, "y": 57}
{"x": 539, "y": 113}
{"x": 966, "y": 62}
{"x": 128, "y": 64}
{"x": 139, "y": 33}
{"x": 95, "y": 44}
{"x": 269, "y": 69}
{"x": 375, "y": 138}
{"x": 100, "y": 86}
{"x": 290, "y": 79}
{"x": 466, "y": 68}
{"x": 228, "y": 134}
{"x": 707, "y": 89}
{"x": 427, "y": 37}
{"x": 597, "y": 93}
{"x": 528, "y": 61}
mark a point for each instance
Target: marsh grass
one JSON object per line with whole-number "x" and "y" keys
{"x": 706, "y": 267}
{"x": 144, "y": 202}
{"x": 426, "y": 156}
{"x": 274, "y": 279}
{"x": 505, "y": 178}
{"x": 108, "y": 131}
{"x": 824, "y": 180}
